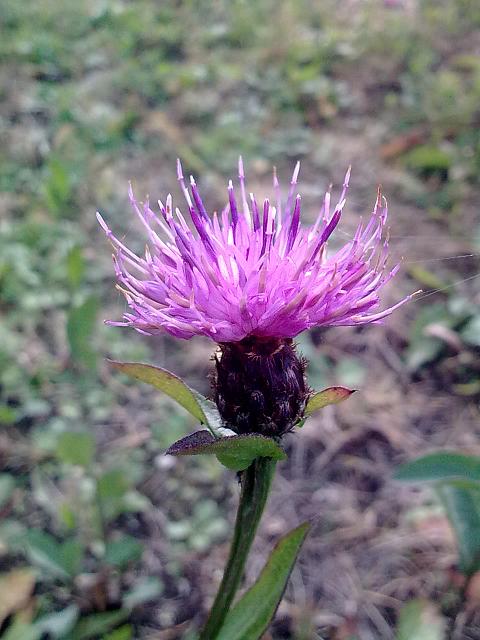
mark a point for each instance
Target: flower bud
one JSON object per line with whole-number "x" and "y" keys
{"x": 260, "y": 385}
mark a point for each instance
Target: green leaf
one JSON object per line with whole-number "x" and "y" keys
{"x": 122, "y": 633}
{"x": 471, "y": 332}
{"x": 332, "y": 395}
{"x": 7, "y": 485}
{"x": 234, "y": 452}
{"x": 252, "y": 614}
{"x": 427, "y": 159}
{"x": 463, "y": 510}
{"x": 58, "y": 186}
{"x": 196, "y": 404}
{"x": 57, "y": 625}
{"x": 112, "y": 484}
{"x": 20, "y": 630}
{"x": 62, "y": 560}
{"x": 80, "y": 327}
{"x": 71, "y": 554}
{"x": 420, "y": 620}
{"x": 145, "y": 590}
{"x": 98, "y": 624}
{"x": 439, "y": 467}
{"x": 457, "y": 482}
{"x": 75, "y": 264}
{"x": 121, "y": 552}
{"x": 422, "y": 347}
{"x": 76, "y": 447}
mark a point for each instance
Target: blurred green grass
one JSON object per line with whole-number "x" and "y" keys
{"x": 90, "y": 93}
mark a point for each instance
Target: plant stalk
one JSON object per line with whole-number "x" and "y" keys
{"x": 256, "y": 482}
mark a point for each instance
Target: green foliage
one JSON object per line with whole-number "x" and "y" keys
{"x": 96, "y": 624}
{"x": 122, "y": 551}
{"x": 74, "y": 447}
{"x": 236, "y": 452}
{"x": 321, "y": 399}
{"x": 7, "y": 485}
{"x": 58, "y": 187}
{"x": 419, "y": 620}
{"x": 252, "y": 614}
{"x": 75, "y": 264}
{"x": 80, "y": 327}
{"x": 441, "y": 466}
{"x": 456, "y": 479}
{"x": 201, "y": 528}
{"x": 145, "y": 590}
{"x": 98, "y": 87}
{"x": 198, "y": 406}
{"x": 59, "y": 559}
{"x": 462, "y": 505}
{"x": 58, "y": 624}
{"x": 427, "y": 161}
{"x": 457, "y": 317}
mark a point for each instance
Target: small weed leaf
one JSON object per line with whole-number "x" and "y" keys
{"x": 332, "y": 395}
{"x": 234, "y": 452}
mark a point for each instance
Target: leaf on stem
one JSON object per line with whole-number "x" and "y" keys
{"x": 252, "y": 614}
{"x": 332, "y": 395}
{"x": 197, "y": 405}
{"x": 234, "y": 452}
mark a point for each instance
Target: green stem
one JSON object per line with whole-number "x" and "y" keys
{"x": 256, "y": 481}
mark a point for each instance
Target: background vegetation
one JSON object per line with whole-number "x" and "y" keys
{"x": 101, "y": 536}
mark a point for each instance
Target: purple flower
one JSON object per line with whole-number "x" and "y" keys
{"x": 252, "y": 270}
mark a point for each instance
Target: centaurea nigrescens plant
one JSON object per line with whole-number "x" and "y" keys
{"x": 250, "y": 278}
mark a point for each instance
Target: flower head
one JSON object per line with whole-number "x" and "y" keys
{"x": 253, "y": 270}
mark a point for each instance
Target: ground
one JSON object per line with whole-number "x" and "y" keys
{"x": 100, "y": 93}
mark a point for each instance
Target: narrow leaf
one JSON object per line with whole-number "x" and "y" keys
{"x": 463, "y": 510}
{"x": 80, "y": 327}
{"x": 234, "y": 452}
{"x": 439, "y": 467}
{"x": 332, "y": 395}
{"x": 7, "y": 486}
{"x": 420, "y": 620}
{"x": 188, "y": 445}
{"x": 198, "y": 406}
{"x": 254, "y": 611}
{"x": 95, "y": 624}
{"x": 75, "y": 265}
{"x": 58, "y": 624}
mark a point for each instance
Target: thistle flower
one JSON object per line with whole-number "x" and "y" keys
{"x": 253, "y": 270}
{"x": 251, "y": 278}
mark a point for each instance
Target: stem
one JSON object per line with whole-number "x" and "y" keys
{"x": 256, "y": 481}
